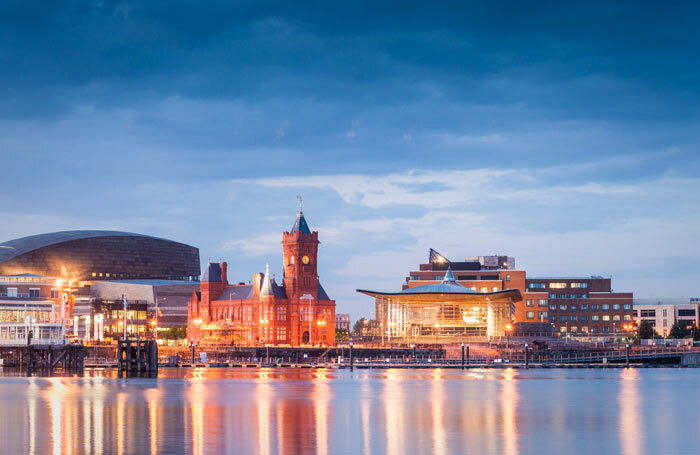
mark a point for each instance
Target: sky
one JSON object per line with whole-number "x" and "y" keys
{"x": 565, "y": 134}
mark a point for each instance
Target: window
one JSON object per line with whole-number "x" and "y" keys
{"x": 413, "y": 277}
{"x": 584, "y": 296}
{"x": 584, "y": 307}
{"x": 306, "y": 314}
{"x": 562, "y": 306}
{"x": 507, "y": 277}
{"x": 562, "y": 296}
{"x": 494, "y": 289}
{"x": 573, "y": 329}
{"x": 542, "y": 315}
{"x": 595, "y": 318}
{"x": 552, "y": 319}
{"x": 562, "y": 318}
{"x": 606, "y": 329}
{"x": 94, "y": 274}
{"x": 628, "y": 317}
{"x": 552, "y": 307}
{"x": 594, "y": 329}
{"x": 594, "y": 307}
{"x": 579, "y": 285}
{"x": 606, "y": 317}
{"x": 530, "y": 315}
{"x": 54, "y": 293}
{"x": 686, "y": 312}
{"x": 484, "y": 289}
{"x": 616, "y": 306}
{"x": 439, "y": 277}
{"x": 574, "y": 318}
{"x": 473, "y": 288}
{"x": 664, "y": 310}
{"x": 281, "y": 333}
{"x": 616, "y": 317}
{"x": 605, "y": 307}
{"x": 574, "y": 296}
{"x": 557, "y": 285}
{"x": 552, "y": 296}
{"x": 529, "y": 302}
{"x": 562, "y": 329}
{"x": 574, "y": 307}
{"x": 281, "y": 313}
{"x": 627, "y": 306}
{"x": 12, "y": 292}
{"x": 536, "y": 285}
{"x": 584, "y": 318}
{"x": 542, "y": 302}
{"x": 584, "y": 329}
{"x": 33, "y": 293}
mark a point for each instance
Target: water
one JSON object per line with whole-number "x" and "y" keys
{"x": 302, "y": 411}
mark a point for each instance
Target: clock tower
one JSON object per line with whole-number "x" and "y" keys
{"x": 300, "y": 252}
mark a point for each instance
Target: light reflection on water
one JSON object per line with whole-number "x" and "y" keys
{"x": 301, "y": 411}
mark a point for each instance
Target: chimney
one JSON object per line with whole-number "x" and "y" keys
{"x": 257, "y": 282}
{"x": 224, "y": 273}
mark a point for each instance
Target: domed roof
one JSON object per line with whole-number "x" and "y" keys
{"x": 448, "y": 286}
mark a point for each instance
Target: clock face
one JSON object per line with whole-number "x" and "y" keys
{"x": 305, "y": 259}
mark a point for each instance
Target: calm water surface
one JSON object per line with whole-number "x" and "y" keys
{"x": 301, "y": 411}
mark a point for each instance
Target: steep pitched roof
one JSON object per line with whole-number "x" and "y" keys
{"x": 266, "y": 288}
{"x": 239, "y": 292}
{"x": 212, "y": 273}
{"x": 322, "y": 295}
{"x": 300, "y": 225}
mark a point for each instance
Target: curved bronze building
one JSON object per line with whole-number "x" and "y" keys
{"x": 99, "y": 255}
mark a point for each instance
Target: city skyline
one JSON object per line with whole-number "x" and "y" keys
{"x": 541, "y": 132}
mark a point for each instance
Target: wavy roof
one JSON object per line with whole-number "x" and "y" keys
{"x": 17, "y": 247}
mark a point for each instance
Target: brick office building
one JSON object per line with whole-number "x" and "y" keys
{"x": 581, "y": 306}
{"x": 578, "y": 305}
{"x": 296, "y": 312}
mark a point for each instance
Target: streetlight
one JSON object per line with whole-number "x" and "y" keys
{"x": 321, "y": 323}
{"x": 509, "y": 327}
{"x": 436, "y": 326}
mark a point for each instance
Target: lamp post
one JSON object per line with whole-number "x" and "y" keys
{"x": 436, "y": 326}
{"x": 321, "y": 323}
{"x": 509, "y": 327}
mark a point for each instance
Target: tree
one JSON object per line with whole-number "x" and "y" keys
{"x": 358, "y": 326}
{"x": 646, "y": 330}
{"x": 342, "y": 334}
{"x": 678, "y": 330}
{"x": 174, "y": 333}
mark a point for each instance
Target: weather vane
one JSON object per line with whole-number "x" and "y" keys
{"x": 300, "y": 202}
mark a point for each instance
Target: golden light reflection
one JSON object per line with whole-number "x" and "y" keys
{"x": 121, "y": 403}
{"x": 630, "y": 412}
{"x": 32, "y": 415}
{"x": 196, "y": 396}
{"x": 437, "y": 399}
{"x": 55, "y": 398}
{"x": 394, "y": 411}
{"x": 263, "y": 392}
{"x": 321, "y": 395}
{"x": 509, "y": 402}
{"x": 152, "y": 398}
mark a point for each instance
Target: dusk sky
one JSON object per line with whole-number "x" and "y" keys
{"x": 565, "y": 134}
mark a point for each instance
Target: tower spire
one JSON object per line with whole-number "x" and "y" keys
{"x": 267, "y": 285}
{"x": 301, "y": 206}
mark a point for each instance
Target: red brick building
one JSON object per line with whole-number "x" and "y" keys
{"x": 575, "y": 305}
{"x": 296, "y": 312}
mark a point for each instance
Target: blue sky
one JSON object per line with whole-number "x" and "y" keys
{"x": 565, "y": 134}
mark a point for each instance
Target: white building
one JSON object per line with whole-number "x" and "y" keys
{"x": 664, "y": 312}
